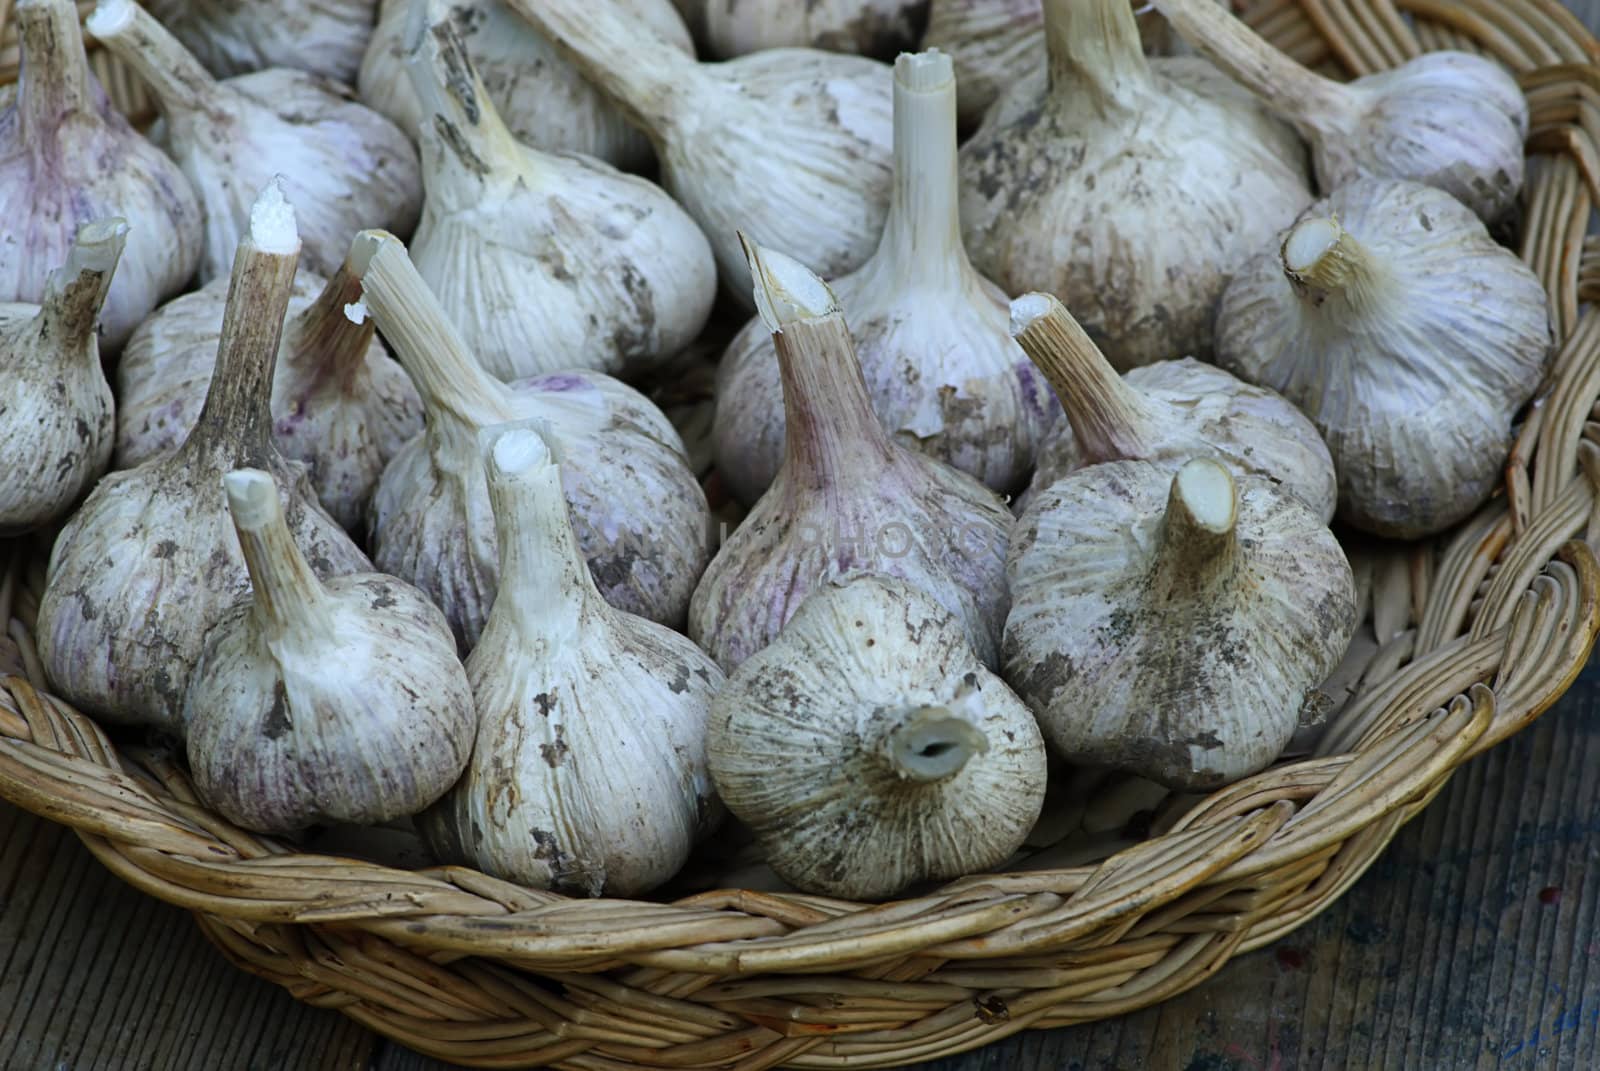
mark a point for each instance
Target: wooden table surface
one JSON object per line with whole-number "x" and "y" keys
{"x": 1474, "y": 942}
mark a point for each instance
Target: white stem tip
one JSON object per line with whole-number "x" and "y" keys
{"x": 1309, "y": 242}
{"x": 515, "y": 447}
{"x": 1029, "y": 309}
{"x": 924, "y": 72}
{"x": 252, "y": 498}
{"x": 272, "y": 227}
{"x": 1206, "y": 488}
{"x": 785, "y": 289}
{"x": 109, "y": 18}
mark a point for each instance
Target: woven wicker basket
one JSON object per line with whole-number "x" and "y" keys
{"x": 1465, "y": 642}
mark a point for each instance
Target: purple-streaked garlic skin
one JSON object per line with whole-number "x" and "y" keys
{"x": 57, "y": 420}
{"x": 1255, "y": 431}
{"x": 67, "y": 158}
{"x": 343, "y": 165}
{"x": 542, "y": 98}
{"x": 344, "y": 419}
{"x": 325, "y": 37}
{"x": 640, "y": 516}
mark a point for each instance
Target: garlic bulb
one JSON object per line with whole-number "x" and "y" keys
{"x": 989, "y": 41}
{"x": 344, "y": 166}
{"x": 878, "y": 28}
{"x": 144, "y": 569}
{"x": 543, "y": 99}
{"x": 1166, "y": 413}
{"x": 1172, "y": 626}
{"x": 67, "y": 158}
{"x": 943, "y": 374}
{"x": 640, "y": 515}
{"x": 325, "y": 37}
{"x": 1129, "y": 188}
{"x": 316, "y": 703}
{"x": 589, "y": 772}
{"x": 339, "y": 402}
{"x": 868, "y": 748}
{"x": 1448, "y": 119}
{"x": 793, "y": 145}
{"x": 545, "y": 262}
{"x": 1408, "y": 336}
{"x": 847, "y": 497}
{"x": 57, "y": 418}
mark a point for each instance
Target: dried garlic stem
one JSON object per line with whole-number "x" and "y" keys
{"x": 1112, "y": 421}
{"x": 324, "y": 340}
{"x": 922, "y": 237}
{"x": 1094, "y": 50}
{"x": 1198, "y": 540}
{"x": 75, "y": 293}
{"x": 1321, "y": 258}
{"x": 56, "y": 80}
{"x": 180, "y": 82}
{"x": 286, "y": 597}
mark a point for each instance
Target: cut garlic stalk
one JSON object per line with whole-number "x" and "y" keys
{"x": 339, "y": 401}
{"x": 141, "y": 573}
{"x": 68, "y": 158}
{"x": 847, "y": 497}
{"x": 794, "y": 145}
{"x": 344, "y": 165}
{"x": 313, "y": 702}
{"x": 1166, "y": 413}
{"x": 544, "y": 262}
{"x": 1447, "y": 119}
{"x": 640, "y": 515}
{"x": 56, "y": 422}
{"x": 1130, "y": 188}
{"x": 944, "y": 376}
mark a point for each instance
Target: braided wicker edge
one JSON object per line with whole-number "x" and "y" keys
{"x": 1475, "y": 641}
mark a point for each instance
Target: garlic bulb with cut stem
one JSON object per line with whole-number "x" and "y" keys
{"x": 313, "y": 702}
{"x": 1448, "y": 119}
{"x": 325, "y": 37}
{"x": 640, "y": 515}
{"x": 57, "y": 420}
{"x": 543, "y": 99}
{"x": 868, "y": 748}
{"x": 1407, "y": 335}
{"x": 1172, "y": 626}
{"x": 149, "y": 563}
{"x": 1130, "y": 188}
{"x": 792, "y": 145}
{"x": 1166, "y": 413}
{"x": 943, "y": 374}
{"x": 345, "y": 166}
{"x": 340, "y": 403}
{"x": 544, "y": 262}
{"x": 589, "y": 772}
{"x": 68, "y": 158}
{"x": 878, "y": 28}
{"x": 847, "y": 497}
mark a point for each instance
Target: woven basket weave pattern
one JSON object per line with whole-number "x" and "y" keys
{"x": 1471, "y": 638}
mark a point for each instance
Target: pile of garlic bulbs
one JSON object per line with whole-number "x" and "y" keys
{"x": 344, "y": 415}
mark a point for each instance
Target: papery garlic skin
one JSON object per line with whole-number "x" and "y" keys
{"x": 640, "y": 514}
{"x": 1411, "y": 341}
{"x": 869, "y": 749}
{"x": 141, "y": 572}
{"x": 1172, "y": 626}
{"x": 343, "y": 165}
{"x": 340, "y": 403}
{"x": 846, "y": 498}
{"x": 1129, "y": 188}
{"x": 1452, "y": 120}
{"x": 68, "y": 158}
{"x": 543, "y": 99}
{"x": 878, "y": 28}
{"x": 545, "y": 262}
{"x": 325, "y": 37}
{"x": 57, "y": 420}
{"x": 312, "y": 702}
{"x": 931, "y": 333}
{"x": 989, "y": 41}
{"x": 1167, "y": 413}
{"x": 793, "y": 146}
{"x": 589, "y": 772}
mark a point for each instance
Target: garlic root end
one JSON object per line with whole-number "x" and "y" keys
{"x": 932, "y": 744}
